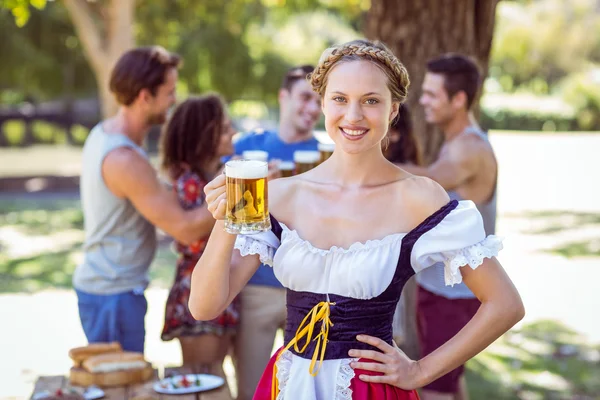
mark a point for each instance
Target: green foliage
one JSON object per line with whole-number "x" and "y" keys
{"x": 583, "y": 92}
{"x": 20, "y": 9}
{"x": 516, "y": 120}
{"x": 543, "y": 41}
{"x": 525, "y": 112}
{"x": 45, "y": 132}
{"x": 14, "y": 131}
{"x": 242, "y": 48}
{"x": 45, "y": 57}
{"x": 79, "y": 133}
{"x": 239, "y": 48}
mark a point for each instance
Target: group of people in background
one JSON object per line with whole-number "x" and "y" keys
{"x": 124, "y": 200}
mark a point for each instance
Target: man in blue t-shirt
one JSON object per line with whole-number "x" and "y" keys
{"x": 263, "y": 299}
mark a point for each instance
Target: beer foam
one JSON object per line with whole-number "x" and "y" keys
{"x": 255, "y": 155}
{"x": 286, "y": 165}
{"x": 326, "y": 146}
{"x": 246, "y": 169}
{"x": 306, "y": 156}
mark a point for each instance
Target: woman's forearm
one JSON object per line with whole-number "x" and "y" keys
{"x": 210, "y": 279}
{"x": 489, "y": 323}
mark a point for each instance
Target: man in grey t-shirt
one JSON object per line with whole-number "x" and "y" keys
{"x": 123, "y": 200}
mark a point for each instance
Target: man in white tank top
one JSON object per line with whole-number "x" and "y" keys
{"x": 123, "y": 200}
{"x": 466, "y": 167}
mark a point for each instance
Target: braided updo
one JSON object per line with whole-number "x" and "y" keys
{"x": 363, "y": 50}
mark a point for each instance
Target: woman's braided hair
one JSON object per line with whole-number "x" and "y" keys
{"x": 362, "y": 50}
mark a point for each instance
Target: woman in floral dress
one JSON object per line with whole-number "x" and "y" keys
{"x": 196, "y": 137}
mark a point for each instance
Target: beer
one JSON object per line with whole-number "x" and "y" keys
{"x": 247, "y": 197}
{"x": 286, "y": 168}
{"x": 326, "y": 150}
{"x": 305, "y": 160}
{"x": 255, "y": 155}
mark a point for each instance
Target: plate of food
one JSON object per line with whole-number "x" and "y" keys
{"x": 190, "y": 383}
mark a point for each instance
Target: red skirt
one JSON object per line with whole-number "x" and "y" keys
{"x": 360, "y": 390}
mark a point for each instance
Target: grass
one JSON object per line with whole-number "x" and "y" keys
{"x": 40, "y": 246}
{"x": 543, "y": 360}
{"x": 560, "y": 222}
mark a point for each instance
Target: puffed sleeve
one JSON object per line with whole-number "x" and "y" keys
{"x": 458, "y": 239}
{"x": 264, "y": 244}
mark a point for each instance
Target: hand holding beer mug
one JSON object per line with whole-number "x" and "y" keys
{"x": 247, "y": 209}
{"x": 215, "y": 197}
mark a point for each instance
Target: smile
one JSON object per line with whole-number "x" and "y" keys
{"x": 354, "y": 132}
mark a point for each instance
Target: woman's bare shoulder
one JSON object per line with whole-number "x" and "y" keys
{"x": 423, "y": 195}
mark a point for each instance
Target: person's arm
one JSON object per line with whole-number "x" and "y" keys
{"x": 219, "y": 276}
{"x": 453, "y": 167}
{"x": 501, "y": 308}
{"x": 129, "y": 175}
{"x": 222, "y": 272}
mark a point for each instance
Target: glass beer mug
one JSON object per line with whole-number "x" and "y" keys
{"x": 247, "y": 197}
{"x": 286, "y": 168}
{"x": 305, "y": 160}
{"x": 255, "y": 155}
{"x": 326, "y": 150}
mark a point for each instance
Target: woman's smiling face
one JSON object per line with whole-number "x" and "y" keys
{"x": 358, "y": 106}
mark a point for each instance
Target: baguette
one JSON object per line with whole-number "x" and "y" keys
{"x": 80, "y": 354}
{"x": 110, "y": 362}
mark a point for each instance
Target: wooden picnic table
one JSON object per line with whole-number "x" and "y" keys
{"x": 140, "y": 391}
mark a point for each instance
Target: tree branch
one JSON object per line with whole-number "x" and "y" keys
{"x": 87, "y": 30}
{"x": 120, "y": 26}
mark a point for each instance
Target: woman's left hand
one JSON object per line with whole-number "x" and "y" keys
{"x": 397, "y": 368}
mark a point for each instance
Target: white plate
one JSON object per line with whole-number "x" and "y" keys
{"x": 91, "y": 393}
{"x": 207, "y": 382}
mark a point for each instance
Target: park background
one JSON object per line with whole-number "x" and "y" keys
{"x": 540, "y": 104}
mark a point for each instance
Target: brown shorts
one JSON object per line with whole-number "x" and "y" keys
{"x": 438, "y": 320}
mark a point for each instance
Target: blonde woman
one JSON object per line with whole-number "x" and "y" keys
{"x": 345, "y": 238}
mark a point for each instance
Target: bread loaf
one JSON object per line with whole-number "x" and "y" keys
{"x": 80, "y": 354}
{"x": 110, "y": 362}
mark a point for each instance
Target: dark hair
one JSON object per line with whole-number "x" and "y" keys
{"x": 192, "y": 135}
{"x": 295, "y": 74}
{"x": 406, "y": 149}
{"x": 460, "y": 74}
{"x": 141, "y": 68}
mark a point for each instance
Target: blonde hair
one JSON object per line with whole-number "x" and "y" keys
{"x": 363, "y": 50}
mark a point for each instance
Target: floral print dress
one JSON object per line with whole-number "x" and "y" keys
{"x": 178, "y": 319}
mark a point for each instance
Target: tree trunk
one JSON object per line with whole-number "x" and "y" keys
{"x": 417, "y": 30}
{"x": 106, "y": 32}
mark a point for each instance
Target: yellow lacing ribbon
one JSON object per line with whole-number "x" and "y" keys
{"x": 319, "y": 313}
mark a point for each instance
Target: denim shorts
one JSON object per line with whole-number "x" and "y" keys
{"x": 114, "y": 318}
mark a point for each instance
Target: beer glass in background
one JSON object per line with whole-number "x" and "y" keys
{"x": 247, "y": 197}
{"x": 255, "y": 155}
{"x": 305, "y": 160}
{"x": 286, "y": 168}
{"x": 326, "y": 150}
